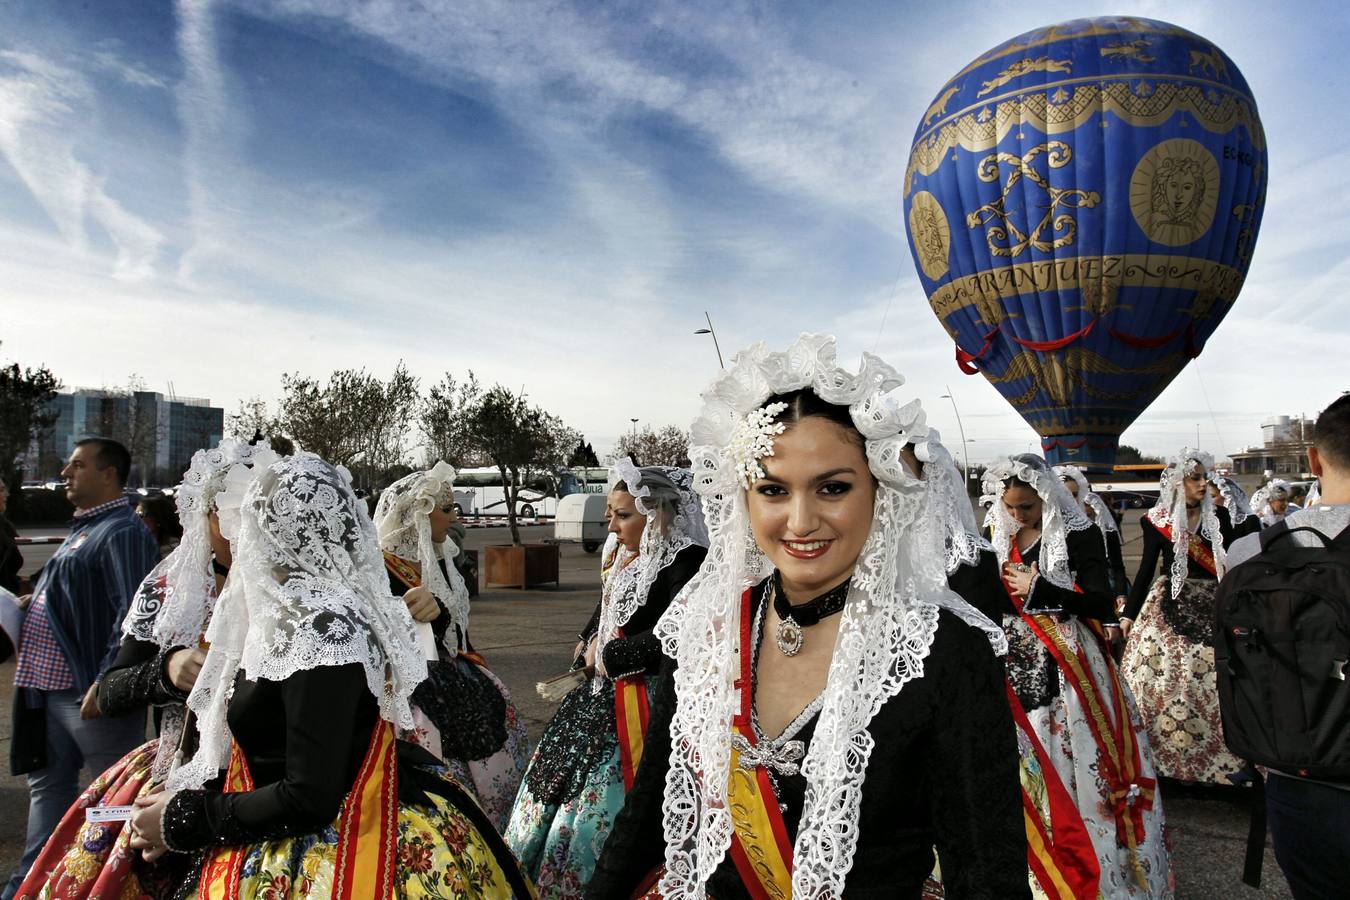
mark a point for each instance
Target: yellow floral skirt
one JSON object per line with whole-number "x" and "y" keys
{"x": 441, "y": 854}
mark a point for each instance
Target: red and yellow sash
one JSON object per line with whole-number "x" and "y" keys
{"x": 367, "y": 849}
{"x": 631, "y": 713}
{"x": 1120, "y": 760}
{"x": 759, "y": 842}
{"x": 1197, "y": 550}
{"x": 403, "y": 570}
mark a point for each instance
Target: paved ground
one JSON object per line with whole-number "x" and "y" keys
{"x": 528, "y": 635}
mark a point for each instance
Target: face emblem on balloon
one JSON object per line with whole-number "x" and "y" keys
{"x": 932, "y": 234}
{"x": 1174, "y": 192}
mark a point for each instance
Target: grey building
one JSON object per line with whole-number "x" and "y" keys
{"x": 161, "y": 432}
{"x": 1283, "y": 452}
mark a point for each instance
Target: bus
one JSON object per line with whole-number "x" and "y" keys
{"x": 479, "y": 491}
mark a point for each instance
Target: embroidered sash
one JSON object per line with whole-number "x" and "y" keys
{"x": 1197, "y": 549}
{"x": 759, "y": 841}
{"x": 366, "y": 854}
{"x": 631, "y": 713}
{"x": 1120, "y": 761}
{"x": 403, "y": 570}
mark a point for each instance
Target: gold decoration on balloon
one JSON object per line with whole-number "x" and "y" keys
{"x": 1024, "y": 67}
{"x": 939, "y": 107}
{"x": 1058, "y": 373}
{"x": 1137, "y": 50}
{"x": 1174, "y": 191}
{"x": 975, "y": 131}
{"x": 932, "y": 235}
{"x": 1209, "y": 62}
{"x": 1057, "y": 154}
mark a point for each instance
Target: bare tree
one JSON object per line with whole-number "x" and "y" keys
{"x": 667, "y": 447}
{"x": 444, "y": 423}
{"x": 130, "y": 415}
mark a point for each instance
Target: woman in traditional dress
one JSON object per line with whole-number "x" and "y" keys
{"x": 464, "y": 713}
{"x": 1228, "y": 494}
{"x": 308, "y": 679}
{"x": 1168, "y": 623}
{"x": 1071, "y": 701}
{"x": 1271, "y": 502}
{"x": 591, "y": 748}
{"x": 1095, "y": 508}
{"x": 156, "y": 666}
{"x": 832, "y": 710}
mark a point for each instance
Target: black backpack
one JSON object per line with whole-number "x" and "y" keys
{"x": 1282, "y": 655}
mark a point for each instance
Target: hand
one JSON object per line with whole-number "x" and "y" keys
{"x": 183, "y": 667}
{"x": 146, "y": 813}
{"x": 89, "y": 705}
{"x": 600, "y": 665}
{"x": 422, "y": 605}
{"x": 24, "y": 600}
{"x": 1019, "y": 580}
{"x": 590, "y": 653}
{"x": 1125, "y": 626}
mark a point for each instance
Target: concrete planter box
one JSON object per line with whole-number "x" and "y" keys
{"x": 524, "y": 566}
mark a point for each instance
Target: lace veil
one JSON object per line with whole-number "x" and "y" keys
{"x": 885, "y": 632}
{"x": 1234, "y": 498}
{"x": 174, "y": 602}
{"x": 1170, "y": 512}
{"x": 1275, "y": 489}
{"x": 307, "y": 589}
{"x": 403, "y": 523}
{"x": 1091, "y": 503}
{"x": 666, "y": 496}
{"x": 1060, "y": 513}
{"x": 947, "y": 492}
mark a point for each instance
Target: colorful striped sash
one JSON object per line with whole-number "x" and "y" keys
{"x": 759, "y": 842}
{"x": 631, "y": 714}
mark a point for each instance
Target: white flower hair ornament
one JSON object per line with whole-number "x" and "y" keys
{"x": 885, "y": 632}
{"x": 1170, "y": 513}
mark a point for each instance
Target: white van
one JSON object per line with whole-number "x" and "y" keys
{"x": 581, "y": 519}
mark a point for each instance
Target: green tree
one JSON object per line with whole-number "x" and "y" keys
{"x": 523, "y": 441}
{"x": 444, "y": 422}
{"x": 26, "y": 415}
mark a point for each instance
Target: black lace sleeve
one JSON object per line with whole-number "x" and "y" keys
{"x": 322, "y": 709}
{"x": 981, "y": 587}
{"x": 1148, "y": 568}
{"x": 1116, "y": 560}
{"x": 972, "y": 767}
{"x": 637, "y": 843}
{"x": 1093, "y": 599}
{"x": 137, "y": 679}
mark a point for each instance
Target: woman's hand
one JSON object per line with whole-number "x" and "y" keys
{"x": 183, "y": 666}
{"x": 1020, "y": 579}
{"x": 146, "y": 813}
{"x": 422, "y": 604}
{"x": 89, "y": 705}
{"x": 1125, "y": 626}
{"x": 590, "y": 653}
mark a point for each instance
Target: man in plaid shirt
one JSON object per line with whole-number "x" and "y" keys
{"x": 71, "y": 631}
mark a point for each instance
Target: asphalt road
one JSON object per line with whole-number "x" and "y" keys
{"x": 529, "y": 635}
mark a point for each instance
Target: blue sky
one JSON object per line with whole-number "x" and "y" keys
{"x": 551, "y": 194}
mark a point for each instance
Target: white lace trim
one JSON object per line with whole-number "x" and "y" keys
{"x": 1170, "y": 512}
{"x": 307, "y": 589}
{"x": 1235, "y": 498}
{"x": 1091, "y": 504}
{"x": 1060, "y": 513}
{"x": 886, "y": 627}
{"x": 403, "y": 524}
{"x": 1275, "y": 489}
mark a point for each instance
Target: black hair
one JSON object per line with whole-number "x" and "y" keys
{"x": 165, "y": 513}
{"x": 1331, "y": 434}
{"x": 110, "y": 453}
{"x": 805, "y": 403}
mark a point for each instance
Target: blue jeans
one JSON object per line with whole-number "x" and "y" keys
{"x": 72, "y": 742}
{"x": 1310, "y": 828}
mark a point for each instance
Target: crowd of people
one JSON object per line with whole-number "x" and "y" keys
{"x": 810, "y": 672}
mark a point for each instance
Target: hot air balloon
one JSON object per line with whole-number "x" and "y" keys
{"x": 1082, "y": 203}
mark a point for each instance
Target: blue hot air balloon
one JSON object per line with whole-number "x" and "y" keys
{"x": 1082, "y": 203}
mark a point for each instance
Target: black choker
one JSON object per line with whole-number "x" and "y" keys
{"x": 792, "y": 619}
{"x": 220, "y": 568}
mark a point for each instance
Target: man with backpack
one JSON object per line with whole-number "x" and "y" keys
{"x": 1282, "y": 645}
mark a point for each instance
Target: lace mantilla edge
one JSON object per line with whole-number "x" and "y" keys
{"x": 1170, "y": 512}
{"x": 1060, "y": 513}
{"x": 886, "y": 629}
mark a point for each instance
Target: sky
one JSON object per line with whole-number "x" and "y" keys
{"x": 552, "y": 195}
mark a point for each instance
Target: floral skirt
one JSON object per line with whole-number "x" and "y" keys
{"x": 1063, "y": 727}
{"x": 1169, "y": 664}
{"x": 93, "y": 860}
{"x": 558, "y": 839}
{"x": 442, "y": 853}
{"x": 494, "y": 777}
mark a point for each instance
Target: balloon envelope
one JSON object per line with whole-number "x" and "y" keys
{"x": 1082, "y": 203}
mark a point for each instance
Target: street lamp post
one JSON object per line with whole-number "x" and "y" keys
{"x": 965, "y": 455}
{"x": 709, "y": 330}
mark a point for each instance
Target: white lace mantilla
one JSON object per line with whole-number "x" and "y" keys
{"x": 1274, "y": 489}
{"x": 673, "y": 524}
{"x": 886, "y": 628}
{"x": 403, "y": 524}
{"x": 1235, "y": 498}
{"x": 1060, "y": 513}
{"x": 1091, "y": 504}
{"x": 1170, "y": 512}
{"x": 307, "y": 589}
